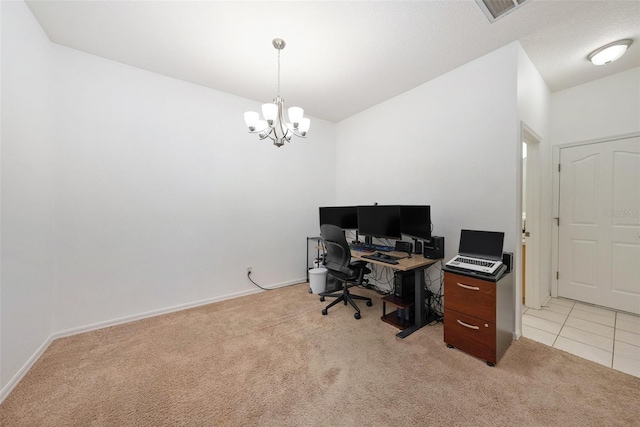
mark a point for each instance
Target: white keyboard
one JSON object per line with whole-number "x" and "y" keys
{"x": 475, "y": 264}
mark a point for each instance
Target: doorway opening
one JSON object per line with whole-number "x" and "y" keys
{"x": 524, "y": 219}
{"x": 528, "y": 273}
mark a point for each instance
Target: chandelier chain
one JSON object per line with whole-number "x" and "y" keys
{"x": 278, "y": 72}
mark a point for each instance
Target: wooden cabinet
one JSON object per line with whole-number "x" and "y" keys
{"x": 479, "y": 314}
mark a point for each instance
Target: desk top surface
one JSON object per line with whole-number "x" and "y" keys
{"x": 404, "y": 264}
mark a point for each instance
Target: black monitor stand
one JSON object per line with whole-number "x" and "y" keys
{"x": 368, "y": 240}
{"x": 417, "y": 246}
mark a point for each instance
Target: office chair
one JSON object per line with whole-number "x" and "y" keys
{"x": 338, "y": 263}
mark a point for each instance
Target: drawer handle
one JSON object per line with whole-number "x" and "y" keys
{"x": 471, "y": 288}
{"x": 466, "y": 325}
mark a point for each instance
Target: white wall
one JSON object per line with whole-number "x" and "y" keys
{"x": 449, "y": 143}
{"x": 125, "y": 193}
{"x": 26, "y": 193}
{"x": 606, "y": 107}
{"x": 163, "y": 198}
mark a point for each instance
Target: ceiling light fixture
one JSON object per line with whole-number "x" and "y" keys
{"x": 609, "y": 52}
{"x": 274, "y": 125}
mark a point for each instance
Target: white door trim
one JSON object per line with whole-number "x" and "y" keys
{"x": 532, "y": 262}
{"x": 555, "y": 236}
{"x": 525, "y": 132}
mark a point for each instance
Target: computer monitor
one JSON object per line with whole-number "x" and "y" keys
{"x": 415, "y": 221}
{"x": 379, "y": 221}
{"x": 345, "y": 217}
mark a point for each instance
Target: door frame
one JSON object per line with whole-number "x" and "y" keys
{"x": 533, "y": 179}
{"x": 555, "y": 235}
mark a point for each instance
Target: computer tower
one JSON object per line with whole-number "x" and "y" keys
{"x": 404, "y": 284}
{"x": 434, "y": 248}
{"x": 404, "y": 287}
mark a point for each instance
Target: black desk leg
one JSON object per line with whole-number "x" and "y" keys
{"x": 420, "y": 320}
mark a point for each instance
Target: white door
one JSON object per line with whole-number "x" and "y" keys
{"x": 599, "y": 256}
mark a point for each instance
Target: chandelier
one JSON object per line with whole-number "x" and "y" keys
{"x": 274, "y": 125}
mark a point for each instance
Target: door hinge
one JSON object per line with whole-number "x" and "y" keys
{"x": 557, "y": 275}
{"x": 558, "y": 167}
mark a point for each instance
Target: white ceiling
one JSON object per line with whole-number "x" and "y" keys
{"x": 342, "y": 57}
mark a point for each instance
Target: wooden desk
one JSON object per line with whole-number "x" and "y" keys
{"x": 417, "y": 263}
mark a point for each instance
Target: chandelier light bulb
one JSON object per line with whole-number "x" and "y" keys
{"x": 270, "y": 112}
{"x": 251, "y": 118}
{"x": 295, "y": 115}
{"x": 304, "y": 125}
{"x": 610, "y": 52}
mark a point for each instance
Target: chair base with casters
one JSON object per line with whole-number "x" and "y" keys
{"x": 344, "y": 295}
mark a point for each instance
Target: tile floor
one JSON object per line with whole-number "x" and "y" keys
{"x": 604, "y": 336}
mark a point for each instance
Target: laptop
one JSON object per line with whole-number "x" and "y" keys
{"x": 479, "y": 251}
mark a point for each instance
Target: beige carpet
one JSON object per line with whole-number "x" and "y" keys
{"x": 272, "y": 359}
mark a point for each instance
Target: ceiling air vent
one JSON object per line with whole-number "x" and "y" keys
{"x": 495, "y": 9}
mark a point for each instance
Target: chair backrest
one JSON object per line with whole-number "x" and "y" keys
{"x": 338, "y": 254}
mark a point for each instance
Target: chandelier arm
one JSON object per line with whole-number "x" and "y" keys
{"x": 297, "y": 133}
{"x": 282, "y": 128}
{"x": 266, "y": 135}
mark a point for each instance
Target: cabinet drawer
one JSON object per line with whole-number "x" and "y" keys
{"x": 471, "y": 296}
{"x": 471, "y": 335}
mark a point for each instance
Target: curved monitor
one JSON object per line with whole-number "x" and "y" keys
{"x": 345, "y": 217}
{"x": 416, "y": 221}
{"x": 379, "y": 221}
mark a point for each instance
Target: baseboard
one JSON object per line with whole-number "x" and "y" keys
{"x": 167, "y": 310}
{"x": 25, "y": 368}
{"x": 132, "y": 318}
{"x": 545, "y": 300}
